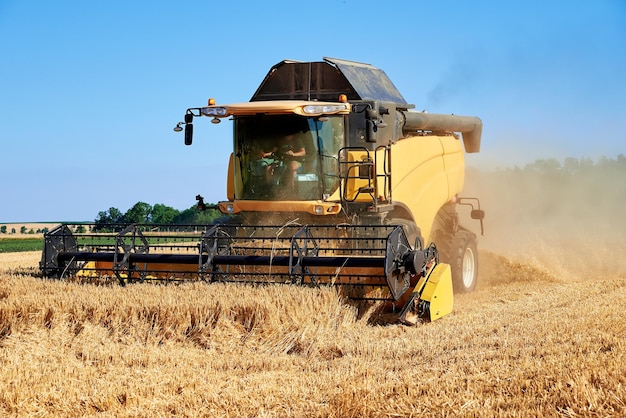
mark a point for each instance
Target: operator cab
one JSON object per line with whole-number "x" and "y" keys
{"x": 287, "y": 157}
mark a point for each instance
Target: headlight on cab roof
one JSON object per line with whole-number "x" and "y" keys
{"x": 213, "y": 111}
{"x": 324, "y": 109}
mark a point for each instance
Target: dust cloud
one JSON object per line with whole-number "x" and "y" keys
{"x": 564, "y": 221}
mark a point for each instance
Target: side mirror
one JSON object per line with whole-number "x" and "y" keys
{"x": 477, "y": 214}
{"x": 188, "y": 132}
{"x": 188, "y": 127}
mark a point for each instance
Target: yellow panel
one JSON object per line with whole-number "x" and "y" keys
{"x": 230, "y": 181}
{"x": 454, "y": 163}
{"x": 438, "y": 291}
{"x": 426, "y": 172}
{"x": 354, "y": 184}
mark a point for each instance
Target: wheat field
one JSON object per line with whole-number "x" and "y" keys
{"x": 526, "y": 343}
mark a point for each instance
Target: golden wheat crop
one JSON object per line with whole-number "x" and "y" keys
{"x": 524, "y": 344}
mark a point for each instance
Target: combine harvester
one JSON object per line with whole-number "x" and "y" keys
{"x": 334, "y": 179}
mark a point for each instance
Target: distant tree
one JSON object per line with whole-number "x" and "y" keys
{"x": 103, "y": 218}
{"x": 108, "y": 217}
{"x": 31, "y": 231}
{"x": 3, "y": 229}
{"x": 139, "y": 213}
{"x": 162, "y": 214}
{"x": 571, "y": 165}
{"x": 23, "y": 230}
{"x": 13, "y": 230}
{"x": 116, "y": 215}
{"x": 586, "y": 163}
{"x": 186, "y": 216}
{"x": 80, "y": 229}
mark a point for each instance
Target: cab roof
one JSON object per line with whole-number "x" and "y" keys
{"x": 326, "y": 80}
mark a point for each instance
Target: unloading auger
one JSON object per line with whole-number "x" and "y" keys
{"x": 369, "y": 262}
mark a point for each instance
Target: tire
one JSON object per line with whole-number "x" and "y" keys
{"x": 461, "y": 253}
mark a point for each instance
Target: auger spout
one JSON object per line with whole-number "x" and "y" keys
{"x": 470, "y": 126}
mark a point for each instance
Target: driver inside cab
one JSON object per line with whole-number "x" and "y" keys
{"x": 288, "y": 153}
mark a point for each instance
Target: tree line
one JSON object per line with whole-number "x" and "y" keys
{"x": 159, "y": 214}
{"x": 590, "y": 194}
{"x": 23, "y": 230}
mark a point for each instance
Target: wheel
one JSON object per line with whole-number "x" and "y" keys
{"x": 461, "y": 253}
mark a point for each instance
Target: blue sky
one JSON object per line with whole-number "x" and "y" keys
{"x": 90, "y": 91}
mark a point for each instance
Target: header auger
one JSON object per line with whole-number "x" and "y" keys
{"x": 333, "y": 180}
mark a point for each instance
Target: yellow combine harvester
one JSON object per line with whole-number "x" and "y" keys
{"x": 334, "y": 179}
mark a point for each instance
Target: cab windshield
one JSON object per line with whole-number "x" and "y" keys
{"x": 287, "y": 157}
